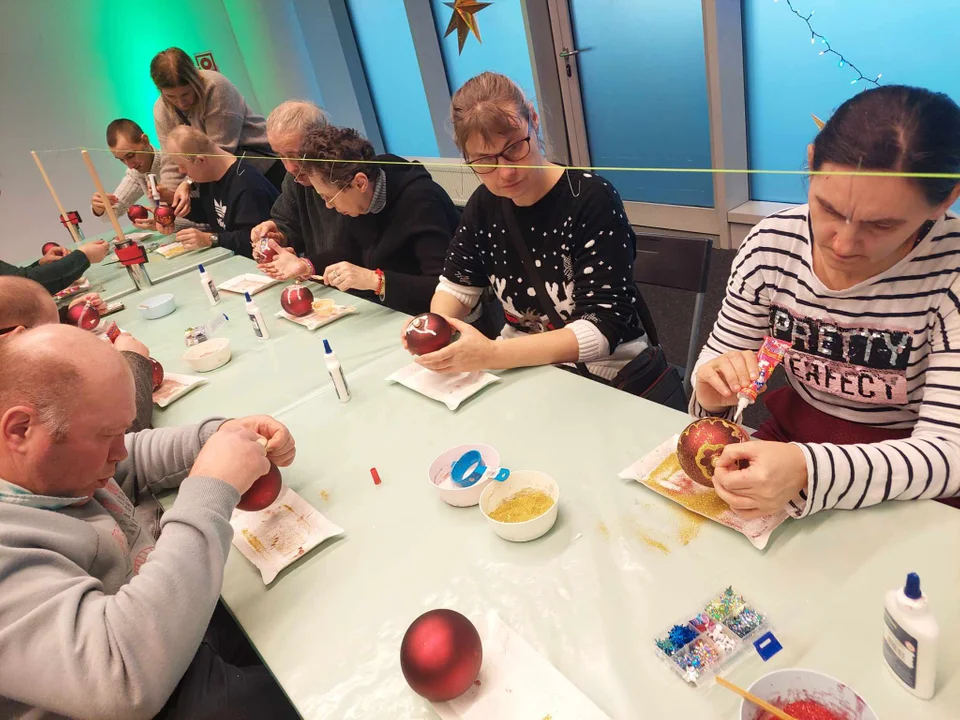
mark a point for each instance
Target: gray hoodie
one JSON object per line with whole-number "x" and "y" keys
{"x": 98, "y": 618}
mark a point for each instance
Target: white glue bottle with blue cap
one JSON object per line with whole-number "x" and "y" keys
{"x": 256, "y": 317}
{"x": 910, "y": 636}
{"x": 336, "y": 372}
{"x": 213, "y": 295}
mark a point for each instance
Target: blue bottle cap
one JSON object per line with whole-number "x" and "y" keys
{"x": 912, "y": 588}
{"x": 200, "y": 267}
{"x": 326, "y": 347}
{"x": 247, "y": 296}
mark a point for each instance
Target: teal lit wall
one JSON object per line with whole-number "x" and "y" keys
{"x": 504, "y": 48}
{"x": 911, "y": 43}
{"x": 393, "y": 76}
{"x": 644, "y": 86}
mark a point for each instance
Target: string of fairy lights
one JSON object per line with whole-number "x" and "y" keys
{"x": 830, "y": 50}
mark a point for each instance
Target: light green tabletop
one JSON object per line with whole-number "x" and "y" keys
{"x": 591, "y": 595}
{"x": 112, "y": 280}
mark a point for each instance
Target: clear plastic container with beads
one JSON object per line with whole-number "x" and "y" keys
{"x": 712, "y": 638}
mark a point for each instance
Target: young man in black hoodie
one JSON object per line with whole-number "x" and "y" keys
{"x": 397, "y": 222}
{"x": 235, "y": 197}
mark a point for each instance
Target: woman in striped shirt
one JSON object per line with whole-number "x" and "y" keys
{"x": 864, "y": 281}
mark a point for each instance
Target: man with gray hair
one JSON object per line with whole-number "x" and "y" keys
{"x": 100, "y": 618}
{"x": 300, "y": 219}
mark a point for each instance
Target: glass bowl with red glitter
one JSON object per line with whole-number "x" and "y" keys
{"x": 806, "y": 695}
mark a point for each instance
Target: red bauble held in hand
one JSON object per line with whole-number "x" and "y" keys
{"x": 427, "y": 333}
{"x": 84, "y": 315}
{"x": 701, "y": 443}
{"x": 296, "y": 300}
{"x": 48, "y": 246}
{"x": 263, "y": 492}
{"x": 157, "y": 374}
{"x": 165, "y": 216}
{"x": 441, "y": 655}
{"x": 265, "y": 253}
{"x": 138, "y": 212}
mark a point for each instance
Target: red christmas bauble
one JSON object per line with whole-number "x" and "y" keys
{"x": 263, "y": 492}
{"x": 296, "y": 300}
{"x": 138, "y": 212}
{"x": 83, "y": 315}
{"x": 427, "y": 333}
{"x": 164, "y": 215}
{"x": 48, "y": 246}
{"x": 157, "y": 374}
{"x": 441, "y": 655}
{"x": 265, "y": 253}
{"x": 701, "y": 443}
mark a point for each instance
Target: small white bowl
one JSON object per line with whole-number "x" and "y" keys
{"x": 496, "y": 492}
{"x": 786, "y": 686}
{"x": 449, "y": 491}
{"x": 208, "y": 355}
{"x": 157, "y": 306}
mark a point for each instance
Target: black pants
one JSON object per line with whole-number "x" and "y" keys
{"x": 226, "y": 680}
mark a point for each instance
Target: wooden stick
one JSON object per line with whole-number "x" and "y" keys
{"x": 63, "y": 213}
{"x": 777, "y": 712}
{"x": 103, "y": 196}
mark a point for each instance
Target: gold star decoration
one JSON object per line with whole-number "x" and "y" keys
{"x": 463, "y": 20}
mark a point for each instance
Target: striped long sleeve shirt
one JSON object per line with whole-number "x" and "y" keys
{"x": 883, "y": 353}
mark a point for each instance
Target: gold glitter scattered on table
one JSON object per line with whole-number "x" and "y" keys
{"x": 655, "y": 544}
{"x": 325, "y": 496}
{"x": 689, "y": 526}
{"x": 522, "y": 506}
{"x": 603, "y": 530}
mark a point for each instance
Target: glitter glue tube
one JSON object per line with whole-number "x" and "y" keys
{"x": 769, "y": 356}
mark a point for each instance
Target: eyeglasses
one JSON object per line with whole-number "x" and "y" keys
{"x": 330, "y": 201}
{"x": 514, "y": 152}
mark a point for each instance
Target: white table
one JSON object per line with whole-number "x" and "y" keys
{"x": 592, "y": 594}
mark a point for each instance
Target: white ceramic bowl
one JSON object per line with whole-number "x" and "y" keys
{"x": 786, "y": 686}
{"x": 449, "y": 491}
{"x": 496, "y": 492}
{"x": 208, "y": 355}
{"x": 157, "y": 306}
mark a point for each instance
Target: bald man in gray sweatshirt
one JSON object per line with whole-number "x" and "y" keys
{"x": 98, "y": 617}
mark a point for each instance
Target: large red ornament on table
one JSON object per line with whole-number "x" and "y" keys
{"x": 296, "y": 300}
{"x": 84, "y": 315}
{"x": 701, "y": 443}
{"x": 157, "y": 373}
{"x": 263, "y": 492}
{"x": 138, "y": 212}
{"x": 427, "y": 333}
{"x": 441, "y": 655}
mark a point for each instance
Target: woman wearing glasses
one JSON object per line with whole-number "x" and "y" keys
{"x": 534, "y": 230}
{"x": 397, "y": 222}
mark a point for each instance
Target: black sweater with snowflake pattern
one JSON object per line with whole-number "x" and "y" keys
{"x": 583, "y": 247}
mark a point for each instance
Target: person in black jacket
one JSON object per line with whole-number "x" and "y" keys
{"x": 58, "y": 268}
{"x": 398, "y": 222}
{"x": 234, "y": 197}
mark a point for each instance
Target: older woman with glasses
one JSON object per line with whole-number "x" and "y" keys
{"x": 554, "y": 244}
{"x": 397, "y": 222}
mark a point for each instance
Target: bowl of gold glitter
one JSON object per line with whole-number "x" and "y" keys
{"x": 523, "y": 507}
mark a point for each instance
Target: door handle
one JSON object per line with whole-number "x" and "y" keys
{"x": 564, "y": 53}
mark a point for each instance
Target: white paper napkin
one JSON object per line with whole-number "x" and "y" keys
{"x": 174, "y": 387}
{"x": 278, "y": 535}
{"x": 660, "y": 471}
{"x": 517, "y": 682}
{"x": 449, "y": 388}
{"x": 319, "y": 318}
